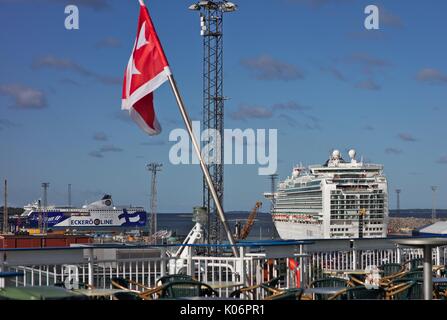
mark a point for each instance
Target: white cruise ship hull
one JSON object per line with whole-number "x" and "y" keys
{"x": 298, "y": 231}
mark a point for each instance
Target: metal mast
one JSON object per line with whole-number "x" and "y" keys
{"x": 211, "y": 23}
{"x": 153, "y": 168}
{"x": 5, "y": 210}
{"x": 273, "y": 178}
{"x": 45, "y": 186}
{"x": 398, "y": 191}
{"x": 433, "y": 210}
{"x": 69, "y": 195}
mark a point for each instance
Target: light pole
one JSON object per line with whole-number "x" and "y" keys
{"x": 153, "y": 168}
{"x": 45, "y": 186}
{"x": 433, "y": 210}
{"x": 69, "y": 195}
{"x": 5, "y": 210}
{"x": 211, "y": 29}
{"x": 398, "y": 191}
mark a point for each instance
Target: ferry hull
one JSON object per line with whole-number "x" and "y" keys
{"x": 95, "y": 220}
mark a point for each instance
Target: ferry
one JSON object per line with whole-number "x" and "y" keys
{"x": 100, "y": 215}
{"x": 339, "y": 199}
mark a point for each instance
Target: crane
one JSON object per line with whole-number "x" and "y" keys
{"x": 250, "y": 221}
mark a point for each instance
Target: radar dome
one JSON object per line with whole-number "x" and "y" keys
{"x": 295, "y": 173}
{"x": 352, "y": 153}
{"x": 336, "y": 154}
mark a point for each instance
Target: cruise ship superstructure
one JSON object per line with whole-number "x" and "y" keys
{"x": 338, "y": 199}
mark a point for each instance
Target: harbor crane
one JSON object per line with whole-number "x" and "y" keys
{"x": 250, "y": 221}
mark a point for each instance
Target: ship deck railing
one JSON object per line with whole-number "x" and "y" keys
{"x": 258, "y": 263}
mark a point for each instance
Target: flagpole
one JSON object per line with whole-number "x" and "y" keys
{"x": 209, "y": 182}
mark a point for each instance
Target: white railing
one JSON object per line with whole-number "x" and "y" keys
{"x": 223, "y": 273}
{"x": 319, "y": 263}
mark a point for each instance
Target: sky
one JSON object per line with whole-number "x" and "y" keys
{"x": 308, "y": 68}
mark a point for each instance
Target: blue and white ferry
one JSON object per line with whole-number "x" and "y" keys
{"x": 102, "y": 215}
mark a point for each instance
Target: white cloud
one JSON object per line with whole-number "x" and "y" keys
{"x": 24, "y": 97}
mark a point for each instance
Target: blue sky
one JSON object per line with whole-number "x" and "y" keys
{"x": 306, "y": 67}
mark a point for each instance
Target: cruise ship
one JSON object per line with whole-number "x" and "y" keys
{"x": 101, "y": 215}
{"x": 339, "y": 199}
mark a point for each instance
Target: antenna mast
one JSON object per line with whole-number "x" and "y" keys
{"x": 273, "y": 178}
{"x": 433, "y": 210}
{"x": 398, "y": 191}
{"x": 211, "y": 24}
{"x": 69, "y": 195}
{"x": 153, "y": 168}
{"x": 5, "y": 210}
{"x": 45, "y": 186}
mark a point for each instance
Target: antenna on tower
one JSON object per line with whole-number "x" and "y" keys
{"x": 211, "y": 29}
{"x": 153, "y": 168}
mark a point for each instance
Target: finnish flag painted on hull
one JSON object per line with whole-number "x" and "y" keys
{"x": 92, "y": 220}
{"x": 131, "y": 219}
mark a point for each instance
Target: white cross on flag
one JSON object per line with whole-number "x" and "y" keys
{"x": 146, "y": 70}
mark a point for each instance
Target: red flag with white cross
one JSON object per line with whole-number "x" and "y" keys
{"x": 146, "y": 70}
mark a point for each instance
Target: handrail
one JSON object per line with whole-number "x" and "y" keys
{"x": 251, "y": 244}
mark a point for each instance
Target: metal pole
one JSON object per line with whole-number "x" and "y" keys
{"x": 211, "y": 18}
{"x": 433, "y": 212}
{"x": 45, "y": 186}
{"x": 91, "y": 258}
{"x": 438, "y": 259}
{"x": 398, "y": 255}
{"x": 273, "y": 178}
{"x": 5, "y": 210}
{"x": 153, "y": 168}
{"x": 354, "y": 259}
{"x": 2, "y": 262}
{"x": 39, "y": 222}
{"x": 202, "y": 163}
{"x": 69, "y": 195}
{"x": 242, "y": 265}
{"x": 154, "y": 203}
{"x": 163, "y": 261}
{"x": 300, "y": 268}
{"x": 189, "y": 262}
{"x": 428, "y": 265}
